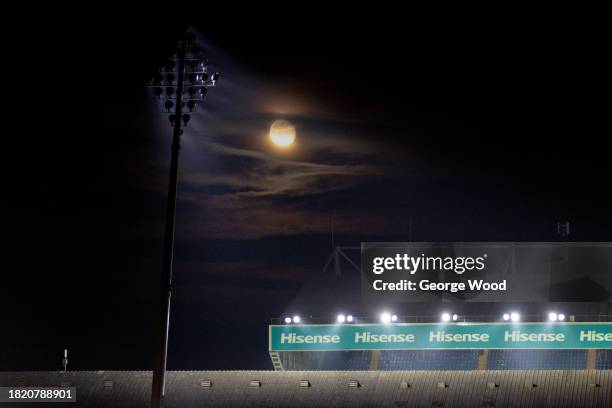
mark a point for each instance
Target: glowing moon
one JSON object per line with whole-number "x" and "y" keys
{"x": 282, "y": 133}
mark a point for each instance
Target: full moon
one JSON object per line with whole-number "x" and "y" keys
{"x": 282, "y": 133}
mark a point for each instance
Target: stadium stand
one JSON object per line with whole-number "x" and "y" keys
{"x": 449, "y": 360}
{"x": 537, "y": 360}
{"x": 473, "y": 388}
{"x": 346, "y": 360}
{"x": 429, "y": 360}
{"x": 327, "y": 360}
{"x": 603, "y": 360}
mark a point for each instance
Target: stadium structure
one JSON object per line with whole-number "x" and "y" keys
{"x": 564, "y": 359}
{"x": 484, "y": 377}
{"x": 456, "y": 388}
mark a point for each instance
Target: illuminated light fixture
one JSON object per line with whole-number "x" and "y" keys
{"x": 554, "y": 317}
{"x": 215, "y": 77}
{"x": 445, "y": 317}
{"x": 506, "y": 316}
{"x": 287, "y": 320}
{"x": 515, "y": 317}
{"x": 340, "y": 318}
{"x": 455, "y": 317}
{"x": 349, "y": 318}
{"x": 385, "y": 317}
{"x": 393, "y": 318}
{"x": 296, "y": 319}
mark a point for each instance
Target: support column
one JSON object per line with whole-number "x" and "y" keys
{"x": 374, "y": 360}
{"x": 483, "y": 358}
{"x": 591, "y": 359}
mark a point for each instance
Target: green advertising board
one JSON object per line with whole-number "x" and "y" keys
{"x": 439, "y": 336}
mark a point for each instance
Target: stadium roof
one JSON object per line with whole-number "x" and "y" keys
{"x": 332, "y": 388}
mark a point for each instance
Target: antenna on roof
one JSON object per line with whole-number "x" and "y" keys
{"x": 563, "y": 228}
{"x": 65, "y": 360}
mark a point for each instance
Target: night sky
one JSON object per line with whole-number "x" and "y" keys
{"x": 480, "y": 126}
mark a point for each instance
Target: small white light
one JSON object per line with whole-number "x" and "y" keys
{"x": 455, "y": 317}
{"x": 385, "y": 317}
{"x": 552, "y": 317}
{"x": 296, "y": 319}
{"x": 349, "y": 318}
{"x": 394, "y": 318}
{"x": 287, "y": 320}
{"x": 506, "y": 316}
{"x": 446, "y": 317}
{"x": 561, "y": 316}
{"x": 341, "y": 318}
{"x": 515, "y": 317}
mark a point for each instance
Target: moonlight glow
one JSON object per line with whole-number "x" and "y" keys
{"x": 282, "y": 133}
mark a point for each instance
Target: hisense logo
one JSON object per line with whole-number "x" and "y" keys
{"x": 412, "y": 264}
